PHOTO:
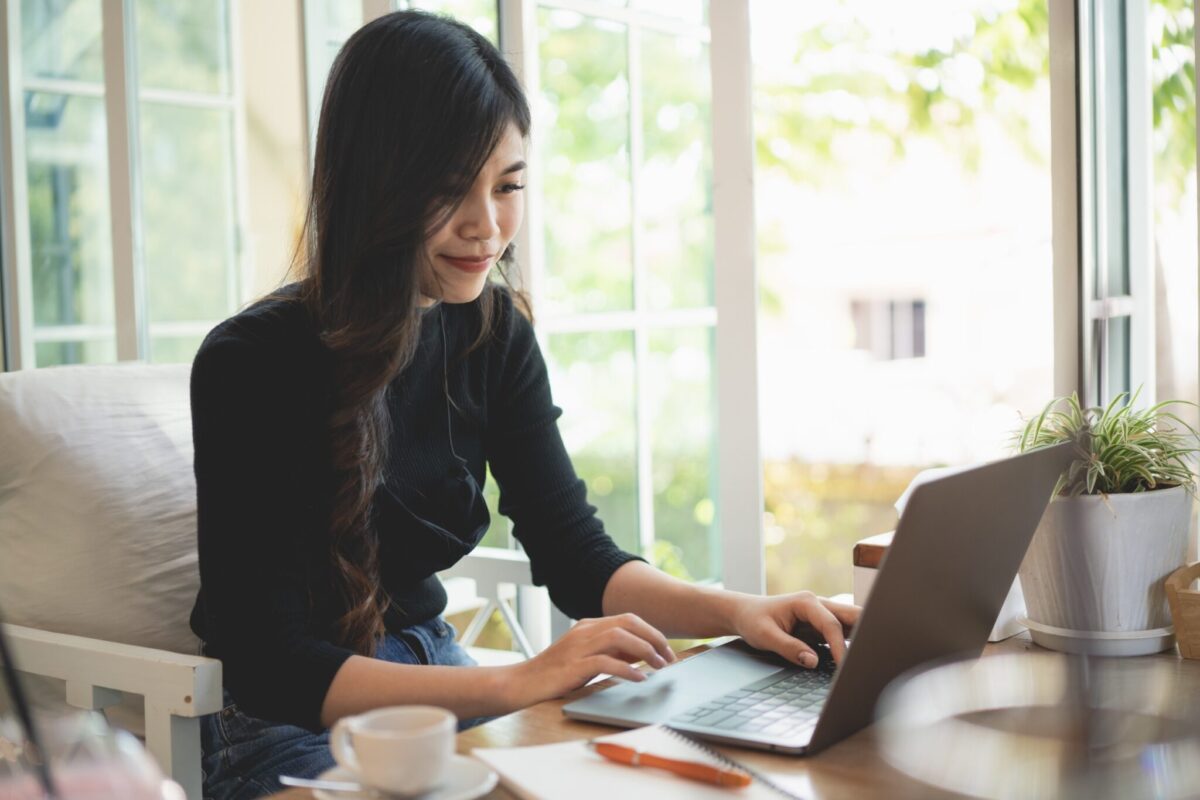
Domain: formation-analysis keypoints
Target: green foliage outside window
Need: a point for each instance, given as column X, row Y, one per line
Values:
column 1173, row 75
column 583, row 138
column 898, row 94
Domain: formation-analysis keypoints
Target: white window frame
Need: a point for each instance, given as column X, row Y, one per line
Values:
column 1064, row 182
column 1088, row 192
column 740, row 506
column 124, row 182
column 14, row 197
column 122, row 98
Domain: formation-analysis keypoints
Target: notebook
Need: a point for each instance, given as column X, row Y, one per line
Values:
column 572, row 769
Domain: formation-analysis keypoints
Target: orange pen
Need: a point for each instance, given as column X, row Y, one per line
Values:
column 688, row 769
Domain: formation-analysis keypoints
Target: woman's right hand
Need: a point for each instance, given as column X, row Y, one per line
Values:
column 607, row 645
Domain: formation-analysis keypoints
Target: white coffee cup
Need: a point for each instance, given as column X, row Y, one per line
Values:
column 402, row 749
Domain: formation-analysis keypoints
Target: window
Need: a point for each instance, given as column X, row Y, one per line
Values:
column 66, row 176
column 911, row 154
column 625, row 291
column 190, row 216
column 125, row 151
column 1171, row 32
column 889, row 329
column 1138, row 200
column 1114, row 214
column 915, row 300
column 904, row 223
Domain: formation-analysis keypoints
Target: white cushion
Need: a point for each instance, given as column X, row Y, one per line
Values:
column 98, row 503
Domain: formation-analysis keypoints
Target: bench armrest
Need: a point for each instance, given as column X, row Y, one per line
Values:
column 178, row 689
column 184, row 685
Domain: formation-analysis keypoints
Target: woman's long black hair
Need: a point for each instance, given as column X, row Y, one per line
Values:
column 414, row 106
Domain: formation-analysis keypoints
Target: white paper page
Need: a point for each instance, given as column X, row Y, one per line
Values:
column 572, row 769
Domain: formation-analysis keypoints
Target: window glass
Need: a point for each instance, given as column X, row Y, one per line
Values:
column 498, row 534
column 1116, row 369
column 592, row 375
column 183, row 45
column 56, row 353
column 172, row 349
column 66, row 151
column 583, row 130
column 903, row 158
column 188, row 208
column 649, row 452
column 479, row 14
column 693, row 11
column 327, row 25
column 62, row 39
column 187, row 168
column 682, row 425
column 675, row 183
column 1109, row 113
column 1171, row 27
column 70, row 225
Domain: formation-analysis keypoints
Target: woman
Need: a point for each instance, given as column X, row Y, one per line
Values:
column 342, row 427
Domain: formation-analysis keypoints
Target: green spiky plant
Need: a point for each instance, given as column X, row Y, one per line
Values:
column 1120, row 450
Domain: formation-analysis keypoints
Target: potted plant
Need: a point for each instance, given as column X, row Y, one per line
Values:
column 1117, row 526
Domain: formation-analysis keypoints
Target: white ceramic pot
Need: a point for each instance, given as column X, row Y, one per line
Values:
column 1098, row 563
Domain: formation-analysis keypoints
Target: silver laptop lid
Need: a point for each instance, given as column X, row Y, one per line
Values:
column 956, row 550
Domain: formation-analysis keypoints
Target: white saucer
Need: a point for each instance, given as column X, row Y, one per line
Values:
column 1101, row 643
column 466, row 779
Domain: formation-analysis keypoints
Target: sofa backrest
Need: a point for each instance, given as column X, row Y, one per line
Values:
column 98, row 503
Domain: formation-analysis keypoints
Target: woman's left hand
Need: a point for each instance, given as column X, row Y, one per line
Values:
column 766, row 623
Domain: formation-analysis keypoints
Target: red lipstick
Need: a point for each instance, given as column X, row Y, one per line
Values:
column 473, row 265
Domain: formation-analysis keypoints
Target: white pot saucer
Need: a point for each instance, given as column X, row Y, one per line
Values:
column 1101, row 643
column 466, row 779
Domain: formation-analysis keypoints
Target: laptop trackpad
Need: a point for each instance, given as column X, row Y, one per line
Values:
column 678, row 687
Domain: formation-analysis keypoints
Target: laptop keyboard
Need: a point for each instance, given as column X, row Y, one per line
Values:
column 775, row 706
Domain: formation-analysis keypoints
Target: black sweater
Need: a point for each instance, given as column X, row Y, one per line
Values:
column 261, row 400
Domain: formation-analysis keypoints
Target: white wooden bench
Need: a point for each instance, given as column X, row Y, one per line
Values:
column 98, row 564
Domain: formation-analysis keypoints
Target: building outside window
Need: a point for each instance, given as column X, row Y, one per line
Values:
column 889, row 329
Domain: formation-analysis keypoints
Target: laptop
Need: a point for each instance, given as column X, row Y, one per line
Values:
column 956, row 550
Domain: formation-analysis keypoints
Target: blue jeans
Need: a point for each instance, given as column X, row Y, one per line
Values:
column 243, row 756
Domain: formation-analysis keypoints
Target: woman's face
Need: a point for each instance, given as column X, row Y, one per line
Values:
column 467, row 246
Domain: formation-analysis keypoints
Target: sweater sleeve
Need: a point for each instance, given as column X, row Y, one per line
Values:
column 569, row 551
column 255, row 428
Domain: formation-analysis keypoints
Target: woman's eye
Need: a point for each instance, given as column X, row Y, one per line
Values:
column 509, row 188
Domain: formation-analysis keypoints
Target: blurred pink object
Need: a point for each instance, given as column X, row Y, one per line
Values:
column 92, row 782
column 88, row 761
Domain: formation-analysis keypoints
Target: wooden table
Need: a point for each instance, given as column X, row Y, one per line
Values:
column 853, row 768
